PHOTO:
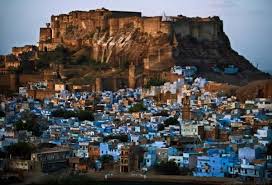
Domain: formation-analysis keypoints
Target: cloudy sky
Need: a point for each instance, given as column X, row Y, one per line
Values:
column 247, row 22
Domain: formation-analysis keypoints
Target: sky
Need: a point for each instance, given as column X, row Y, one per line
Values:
column 247, row 22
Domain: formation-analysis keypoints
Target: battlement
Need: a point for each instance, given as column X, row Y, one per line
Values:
column 27, row 48
column 74, row 28
column 93, row 14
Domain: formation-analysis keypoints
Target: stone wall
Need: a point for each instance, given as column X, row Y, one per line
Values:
column 25, row 78
column 45, row 34
column 78, row 26
column 40, row 94
column 89, row 21
column 8, row 82
column 199, row 28
column 151, row 25
column 20, row 50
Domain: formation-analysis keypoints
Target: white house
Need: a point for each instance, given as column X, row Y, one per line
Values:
column 82, row 151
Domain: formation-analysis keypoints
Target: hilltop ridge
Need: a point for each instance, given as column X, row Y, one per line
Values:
column 128, row 49
column 157, row 42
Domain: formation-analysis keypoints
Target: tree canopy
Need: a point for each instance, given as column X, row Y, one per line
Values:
column 171, row 121
column 139, row 107
column 106, row 159
column 31, row 122
column 80, row 114
column 121, row 137
column 155, row 81
column 21, row 149
column 2, row 114
column 167, row 168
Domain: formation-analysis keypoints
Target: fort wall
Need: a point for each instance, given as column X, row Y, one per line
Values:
column 25, row 78
column 69, row 28
column 151, row 25
column 201, row 29
column 45, row 34
column 19, row 50
column 8, row 82
column 40, row 94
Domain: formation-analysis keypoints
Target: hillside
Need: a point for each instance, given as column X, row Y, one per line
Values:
column 115, row 38
column 260, row 88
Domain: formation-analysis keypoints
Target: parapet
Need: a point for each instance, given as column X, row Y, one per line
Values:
column 27, row 48
column 77, row 25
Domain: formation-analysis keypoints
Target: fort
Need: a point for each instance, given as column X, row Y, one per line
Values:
column 134, row 48
column 100, row 29
column 24, row 49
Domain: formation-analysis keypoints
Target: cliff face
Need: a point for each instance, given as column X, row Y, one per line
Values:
column 157, row 42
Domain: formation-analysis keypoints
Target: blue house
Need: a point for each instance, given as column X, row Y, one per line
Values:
column 172, row 151
column 150, row 157
column 107, row 149
column 231, row 69
column 214, row 164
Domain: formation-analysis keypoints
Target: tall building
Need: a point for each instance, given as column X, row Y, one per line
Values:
column 130, row 158
column 132, row 76
column 186, row 110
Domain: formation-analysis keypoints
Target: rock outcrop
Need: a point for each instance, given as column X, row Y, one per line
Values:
column 156, row 42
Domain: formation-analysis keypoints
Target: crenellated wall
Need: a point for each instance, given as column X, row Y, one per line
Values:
column 19, row 50
column 76, row 27
column 200, row 28
column 151, row 25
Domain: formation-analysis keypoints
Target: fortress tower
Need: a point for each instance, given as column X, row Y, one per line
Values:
column 98, row 85
column 132, row 76
column 45, row 37
column 13, row 82
column 186, row 112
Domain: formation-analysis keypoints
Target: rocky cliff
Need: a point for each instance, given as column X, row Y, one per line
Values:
column 158, row 43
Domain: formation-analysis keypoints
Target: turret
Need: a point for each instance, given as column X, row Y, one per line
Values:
column 132, row 76
column 186, row 112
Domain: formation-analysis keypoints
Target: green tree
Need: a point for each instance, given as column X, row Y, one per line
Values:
column 85, row 115
column 171, row 121
column 2, row 114
column 21, row 149
column 60, row 55
column 138, row 107
column 81, row 114
column 162, row 113
column 106, row 158
column 167, row 168
column 122, row 137
column 12, row 69
column 31, row 122
column 155, row 81
column 269, row 149
column 160, row 127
